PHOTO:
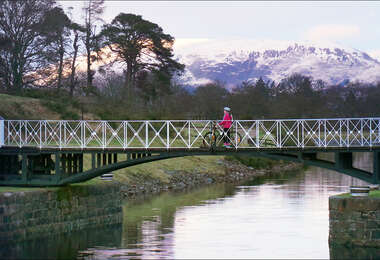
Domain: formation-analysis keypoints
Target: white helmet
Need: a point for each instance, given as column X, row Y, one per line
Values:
column 227, row 109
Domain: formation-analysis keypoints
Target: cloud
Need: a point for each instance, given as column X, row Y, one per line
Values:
column 182, row 42
column 332, row 32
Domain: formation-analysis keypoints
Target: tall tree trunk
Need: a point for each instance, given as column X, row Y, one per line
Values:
column 17, row 76
column 129, row 78
column 88, row 49
column 16, row 66
column 60, row 68
column 72, row 76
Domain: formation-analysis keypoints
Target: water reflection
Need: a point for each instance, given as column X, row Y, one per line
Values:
column 282, row 217
column 148, row 230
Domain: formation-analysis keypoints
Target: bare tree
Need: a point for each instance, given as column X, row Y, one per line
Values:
column 92, row 11
column 24, row 51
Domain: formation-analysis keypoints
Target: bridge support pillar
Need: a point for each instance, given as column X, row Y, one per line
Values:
column 343, row 160
column 35, row 169
column 10, row 165
column 40, row 164
column 98, row 160
column 72, row 163
column 58, row 171
column 24, row 168
column 69, row 163
column 115, row 158
column 309, row 156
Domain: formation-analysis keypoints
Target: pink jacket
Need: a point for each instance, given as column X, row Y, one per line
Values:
column 227, row 121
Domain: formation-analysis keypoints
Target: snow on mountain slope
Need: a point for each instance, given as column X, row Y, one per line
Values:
column 235, row 61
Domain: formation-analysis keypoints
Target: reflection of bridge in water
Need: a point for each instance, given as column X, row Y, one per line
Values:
column 52, row 153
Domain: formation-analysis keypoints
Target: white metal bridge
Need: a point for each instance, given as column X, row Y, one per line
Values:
column 191, row 134
column 60, row 152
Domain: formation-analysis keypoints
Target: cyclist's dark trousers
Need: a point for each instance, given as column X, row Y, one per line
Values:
column 227, row 136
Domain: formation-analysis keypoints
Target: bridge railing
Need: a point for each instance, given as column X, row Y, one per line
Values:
column 192, row 134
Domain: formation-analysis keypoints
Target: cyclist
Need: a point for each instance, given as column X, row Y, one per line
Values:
column 226, row 124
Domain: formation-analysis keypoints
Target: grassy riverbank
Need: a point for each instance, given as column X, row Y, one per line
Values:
column 372, row 194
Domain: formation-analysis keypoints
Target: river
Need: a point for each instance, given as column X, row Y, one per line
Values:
column 282, row 217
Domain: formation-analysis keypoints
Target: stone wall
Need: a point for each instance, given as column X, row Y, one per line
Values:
column 31, row 214
column 355, row 221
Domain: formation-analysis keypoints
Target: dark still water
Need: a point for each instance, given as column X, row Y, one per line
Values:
column 283, row 217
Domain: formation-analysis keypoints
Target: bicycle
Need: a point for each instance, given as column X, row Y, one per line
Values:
column 216, row 135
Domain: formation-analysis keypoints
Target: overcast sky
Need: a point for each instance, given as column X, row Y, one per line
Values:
column 351, row 24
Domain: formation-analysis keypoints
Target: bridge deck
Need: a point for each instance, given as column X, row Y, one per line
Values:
column 31, row 149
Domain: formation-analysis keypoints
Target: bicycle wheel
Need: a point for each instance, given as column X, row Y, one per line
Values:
column 208, row 139
column 236, row 141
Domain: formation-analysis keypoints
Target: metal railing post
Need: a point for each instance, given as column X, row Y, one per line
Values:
column 104, row 135
column 146, row 135
column 303, row 133
column 340, row 133
column 257, row 134
column 370, row 133
column 60, row 134
column 40, row 133
column 167, row 135
column 348, row 133
column 125, row 138
column 361, row 132
column 82, row 134
column 325, row 132
column 279, row 139
column 236, row 143
column 20, row 134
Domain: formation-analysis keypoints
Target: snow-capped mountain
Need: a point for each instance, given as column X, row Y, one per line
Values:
column 235, row 61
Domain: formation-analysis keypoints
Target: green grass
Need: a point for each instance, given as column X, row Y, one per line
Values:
column 372, row 194
column 18, row 189
column 31, row 108
column 163, row 169
column 16, row 107
column 64, row 109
